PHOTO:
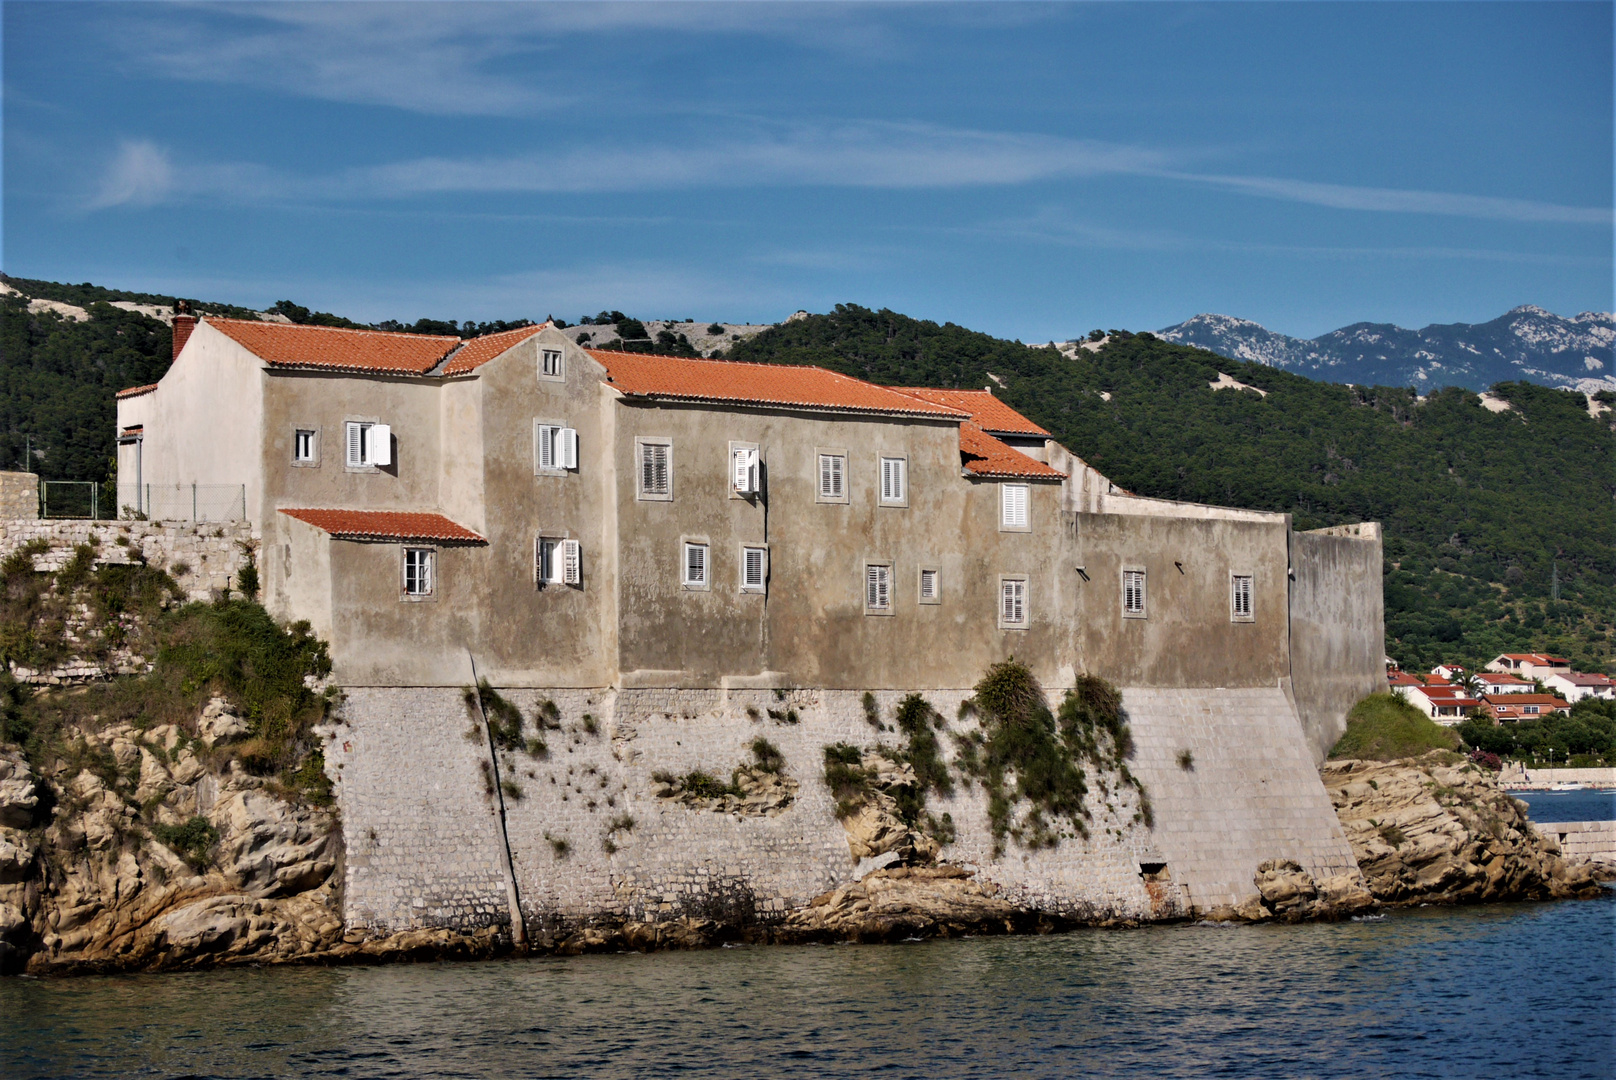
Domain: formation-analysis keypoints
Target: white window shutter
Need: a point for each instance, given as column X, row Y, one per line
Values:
column 737, row 470
column 871, row 595
column 571, row 563
column 824, row 474
column 753, row 481
column 539, row 575
column 569, row 448
column 900, row 480
column 545, row 437
column 379, row 450
column 836, row 476
column 356, row 443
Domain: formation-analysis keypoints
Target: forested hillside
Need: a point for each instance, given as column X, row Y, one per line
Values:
column 1487, row 515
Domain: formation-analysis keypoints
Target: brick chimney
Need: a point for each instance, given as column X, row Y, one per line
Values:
column 184, row 323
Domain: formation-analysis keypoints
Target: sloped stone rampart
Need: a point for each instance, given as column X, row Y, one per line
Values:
column 406, row 770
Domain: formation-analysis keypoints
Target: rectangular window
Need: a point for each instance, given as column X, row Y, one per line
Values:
column 695, row 568
column 894, row 481
column 656, row 470
column 557, row 562
column 555, row 447
column 832, row 477
column 1133, row 594
column 1013, row 602
column 418, row 572
column 1531, row 710
column 303, row 446
column 877, row 588
column 358, row 440
column 1013, row 506
column 754, row 567
column 1240, row 597
column 928, row 586
column 550, row 363
column 744, row 471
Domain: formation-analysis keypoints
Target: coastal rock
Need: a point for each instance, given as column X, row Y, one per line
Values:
column 908, row 901
column 220, row 722
column 874, row 827
column 269, row 848
column 18, row 799
column 1437, row 829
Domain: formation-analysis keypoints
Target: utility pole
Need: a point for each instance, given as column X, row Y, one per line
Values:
column 1554, row 584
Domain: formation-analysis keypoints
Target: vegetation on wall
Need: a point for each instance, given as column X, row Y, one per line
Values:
column 1031, row 761
column 230, row 649
column 1499, row 535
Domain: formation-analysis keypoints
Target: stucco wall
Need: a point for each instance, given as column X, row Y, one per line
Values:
column 204, row 424
column 1338, row 627
column 1252, row 795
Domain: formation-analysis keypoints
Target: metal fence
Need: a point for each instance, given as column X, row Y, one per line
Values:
column 183, row 502
column 70, row 499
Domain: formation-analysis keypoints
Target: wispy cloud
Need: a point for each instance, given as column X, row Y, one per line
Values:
column 901, row 156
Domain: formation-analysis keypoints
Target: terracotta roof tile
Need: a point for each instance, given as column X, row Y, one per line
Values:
column 989, row 413
column 478, row 351
column 987, row 456
column 679, row 378
column 385, row 525
column 330, row 347
column 136, row 391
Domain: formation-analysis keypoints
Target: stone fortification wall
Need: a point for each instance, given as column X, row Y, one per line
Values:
column 202, row 557
column 411, row 787
column 1338, row 627
column 19, row 495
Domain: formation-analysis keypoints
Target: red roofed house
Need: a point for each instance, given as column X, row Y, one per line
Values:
column 1524, row 706
column 1443, row 702
column 588, row 518
column 1494, row 683
column 1529, row 665
column 1576, row 685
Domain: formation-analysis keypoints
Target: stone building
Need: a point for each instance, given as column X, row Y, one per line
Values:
column 678, row 540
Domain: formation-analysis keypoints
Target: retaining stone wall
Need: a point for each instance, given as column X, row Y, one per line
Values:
column 19, row 496
column 405, row 770
column 203, row 558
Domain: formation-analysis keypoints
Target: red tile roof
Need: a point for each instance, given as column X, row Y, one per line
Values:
column 678, row 378
column 1526, row 699
column 330, row 347
column 986, row 456
column 478, row 351
column 136, row 391
column 385, row 525
column 989, row 413
column 1579, row 678
column 1543, row 659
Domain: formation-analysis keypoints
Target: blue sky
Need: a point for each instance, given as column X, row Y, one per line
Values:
column 1034, row 171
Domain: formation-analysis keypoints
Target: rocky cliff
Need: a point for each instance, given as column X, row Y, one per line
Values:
column 1439, row 830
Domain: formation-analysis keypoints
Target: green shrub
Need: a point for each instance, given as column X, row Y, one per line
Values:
column 192, row 841
column 1384, row 727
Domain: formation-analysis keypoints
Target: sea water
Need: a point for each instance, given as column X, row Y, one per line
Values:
column 1589, row 804
column 1520, row 990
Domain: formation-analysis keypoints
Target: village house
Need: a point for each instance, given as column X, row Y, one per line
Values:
column 1511, row 707
column 1576, row 685
column 1494, row 683
column 1529, row 665
column 1450, row 672
column 1442, row 701
column 587, row 518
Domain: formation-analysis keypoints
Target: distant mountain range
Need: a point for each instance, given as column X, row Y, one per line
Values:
column 1527, row 343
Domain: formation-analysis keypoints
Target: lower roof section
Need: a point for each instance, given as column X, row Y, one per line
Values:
column 385, row 525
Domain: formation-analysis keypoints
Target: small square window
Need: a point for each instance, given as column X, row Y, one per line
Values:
column 754, row 569
column 550, row 363
column 894, row 481
column 877, row 589
column 305, row 446
column 1241, row 597
column 1013, row 603
column 1013, row 506
column 655, row 469
column 557, row 561
column 832, row 476
column 695, row 566
column 745, row 469
column 418, row 573
column 358, row 443
column 1133, row 594
column 930, row 586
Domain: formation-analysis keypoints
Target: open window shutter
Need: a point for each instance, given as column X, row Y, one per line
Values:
column 379, row 448
column 571, row 563
column 569, row 448
column 754, row 482
column 538, row 560
column 546, row 441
